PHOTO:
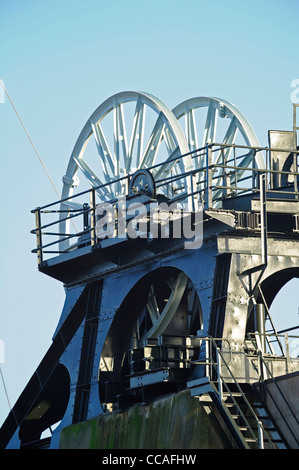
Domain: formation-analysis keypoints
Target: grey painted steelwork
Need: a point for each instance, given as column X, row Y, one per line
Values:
column 137, row 311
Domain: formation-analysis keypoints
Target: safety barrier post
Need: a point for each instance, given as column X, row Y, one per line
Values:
column 209, row 175
column 219, row 374
column 38, row 236
column 93, row 217
column 261, row 434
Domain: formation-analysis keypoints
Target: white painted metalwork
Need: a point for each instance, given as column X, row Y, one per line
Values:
column 127, row 139
column 216, row 109
column 161, row 318
column 131, row 130
column 135, row 130
column 208, row 120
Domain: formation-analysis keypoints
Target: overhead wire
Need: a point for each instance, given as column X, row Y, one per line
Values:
column 5, row 389
column 6, row 393
column 30, row 140
column 52, row 183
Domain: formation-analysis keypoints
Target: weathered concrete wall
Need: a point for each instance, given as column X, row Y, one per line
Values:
column 174, row 422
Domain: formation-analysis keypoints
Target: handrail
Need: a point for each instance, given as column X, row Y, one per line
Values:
column 264, row 364
column 206, row 185
column 216, row 366
column 116, row 180
column 277, row 335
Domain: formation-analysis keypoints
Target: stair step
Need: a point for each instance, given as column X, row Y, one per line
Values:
column 257, row 403
column 261, row 412
column 230, row 404
column 238, row 406
column 205, row 399
column 234, row 394
column 281, row 445
column 243, row 428
column 275, row 436
column 268, row 425
column 235, row 403
column 234, row 399
column 268, row 429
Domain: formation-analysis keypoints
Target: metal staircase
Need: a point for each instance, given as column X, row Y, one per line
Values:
column 244, row 415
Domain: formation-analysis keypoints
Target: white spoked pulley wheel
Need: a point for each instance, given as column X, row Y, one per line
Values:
column 160, row 317
column 130, row 131
column 208, row 120
column 164, row 302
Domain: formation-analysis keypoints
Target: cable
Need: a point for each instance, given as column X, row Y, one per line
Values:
column 5, row 389
column 30, row 140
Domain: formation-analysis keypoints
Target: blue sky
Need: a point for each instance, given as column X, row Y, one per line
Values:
column 60, row 59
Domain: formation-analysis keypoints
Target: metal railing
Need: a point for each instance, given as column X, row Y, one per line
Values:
column 265, row 374
column 263, row 342
column 214, row 363
column 224, row 171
